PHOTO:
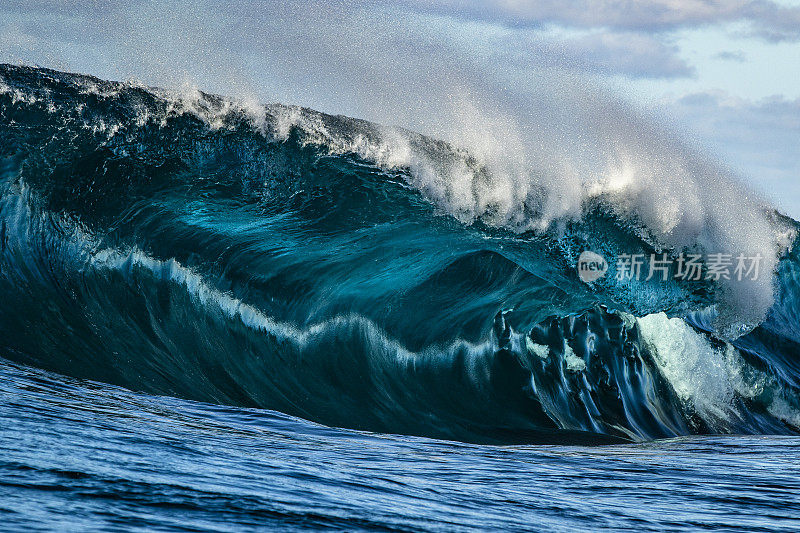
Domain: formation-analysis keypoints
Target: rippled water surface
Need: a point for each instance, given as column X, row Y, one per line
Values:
column 81, row 455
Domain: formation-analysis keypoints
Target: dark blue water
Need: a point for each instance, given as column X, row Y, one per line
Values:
column 215, row 317
column 86, row 456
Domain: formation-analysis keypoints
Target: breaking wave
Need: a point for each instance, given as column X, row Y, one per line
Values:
column 369, row 277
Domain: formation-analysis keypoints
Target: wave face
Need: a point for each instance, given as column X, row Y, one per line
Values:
column 338, row 270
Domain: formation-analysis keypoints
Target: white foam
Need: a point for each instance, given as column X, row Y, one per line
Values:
column 705, row 376
column 189, row 100
column 780, row 408
column 537, row 349
column 256, row 320
column 17, row 96
column 574, row 363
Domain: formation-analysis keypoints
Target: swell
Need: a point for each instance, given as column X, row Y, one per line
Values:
column 183, row 247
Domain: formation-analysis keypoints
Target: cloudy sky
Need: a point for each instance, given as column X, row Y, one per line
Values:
column 725, row 74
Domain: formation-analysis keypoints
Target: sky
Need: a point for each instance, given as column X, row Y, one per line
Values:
column 723, row 74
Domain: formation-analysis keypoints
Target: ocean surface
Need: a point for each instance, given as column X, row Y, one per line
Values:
column 228, row 316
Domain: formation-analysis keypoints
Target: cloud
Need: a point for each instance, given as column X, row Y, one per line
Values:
column 738, row 56
column 765, row 18
column 630, row 54
column 758, row 138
